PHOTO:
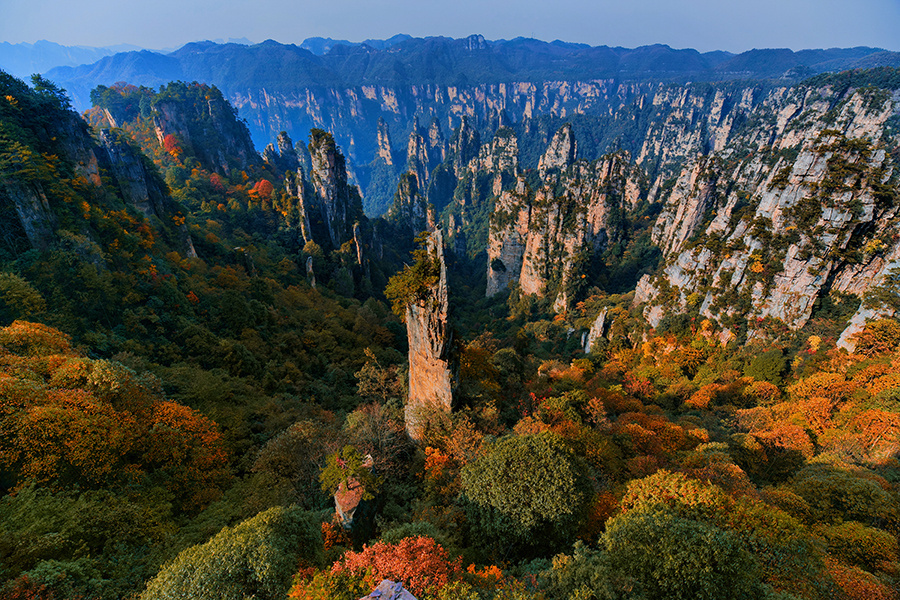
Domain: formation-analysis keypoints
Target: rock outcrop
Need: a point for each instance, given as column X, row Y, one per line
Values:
column 417, row 158
column 385, row 151
column 560, row 154
column 789, row 210
column 137, row 178
column 338, row 202
column 543, row 239
column 282, row 155
column 205, row 124
column 389, row 590
column 430, row 341
column 411, row 211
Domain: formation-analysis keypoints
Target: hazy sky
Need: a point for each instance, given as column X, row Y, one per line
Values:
column 734, row 25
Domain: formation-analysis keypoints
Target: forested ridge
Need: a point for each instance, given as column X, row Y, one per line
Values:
column 191, row 373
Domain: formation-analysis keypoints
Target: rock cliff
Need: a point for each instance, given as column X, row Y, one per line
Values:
column 338, row 202
column 545, row 239
column 282, row 155
column 430, row 341
column 797, row 204
column 137, row 178
column 206, row 125
column 52, row 167
column 410, row 211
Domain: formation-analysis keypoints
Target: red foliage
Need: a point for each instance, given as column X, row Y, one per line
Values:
column 335, row 535
column 216, row 181
column 263, row 189
column 638, row 386
column 858, row 584
column 787, row 436
column 170, row 143
column 24, row 588
column 419, row 562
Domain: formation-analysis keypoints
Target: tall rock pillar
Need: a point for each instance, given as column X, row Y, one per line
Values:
column 430, row 339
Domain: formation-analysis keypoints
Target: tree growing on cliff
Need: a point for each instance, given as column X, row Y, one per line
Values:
column 415, row 281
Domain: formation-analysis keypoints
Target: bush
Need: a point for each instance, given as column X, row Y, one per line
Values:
column 527, row 490
column 667, row 556
column 254, row 559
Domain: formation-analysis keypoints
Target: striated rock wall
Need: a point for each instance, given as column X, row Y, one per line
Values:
column 138, row 181
column 410, row 211
column 560, row 154
column 797, row 205
column 209, row 129
column 430, row 340
column 543, row 239
column 338, row 202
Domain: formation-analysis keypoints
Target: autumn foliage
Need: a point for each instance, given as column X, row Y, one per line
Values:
column 72, row 421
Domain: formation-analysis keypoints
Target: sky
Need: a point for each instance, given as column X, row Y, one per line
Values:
column 732, row 25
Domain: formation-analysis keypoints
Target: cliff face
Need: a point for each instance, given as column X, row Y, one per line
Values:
column 53, row 172
column 544, row 240
column 338, row 202
column 430, row 340
column 138, row 181
column 200, row 119
column 799, row 205
column 282, row 155
column 410, row 211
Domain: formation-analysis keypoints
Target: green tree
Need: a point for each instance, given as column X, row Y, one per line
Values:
column 254, row 559
column 526, row 491
column 768, row 366
column 414, row 282
column 345, row 467
column 18, row 299
column 669, row 557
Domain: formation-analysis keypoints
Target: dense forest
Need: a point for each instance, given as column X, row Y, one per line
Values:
column 199, row 372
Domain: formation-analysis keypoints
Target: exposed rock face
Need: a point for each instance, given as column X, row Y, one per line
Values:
column 437, row 146
column 339, row 203
column 310, row 273
column 542, row 239
column 805, row 211
column 464, row 146
column 417, row 160
column 296, row 215
column 430, row 340
column 33, row 210
column 507, row 240
column 282, row 156
column 139, row 182
column 410, row 211
column 596, row 331
column 384, row 152
column 287, row 151
column 209, row 129
column 561, row 151
column 389, row 590
column 692, row 196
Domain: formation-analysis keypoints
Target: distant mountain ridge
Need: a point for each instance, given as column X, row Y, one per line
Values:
column 21, row 60
column 403, row 60
column 350, row 89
